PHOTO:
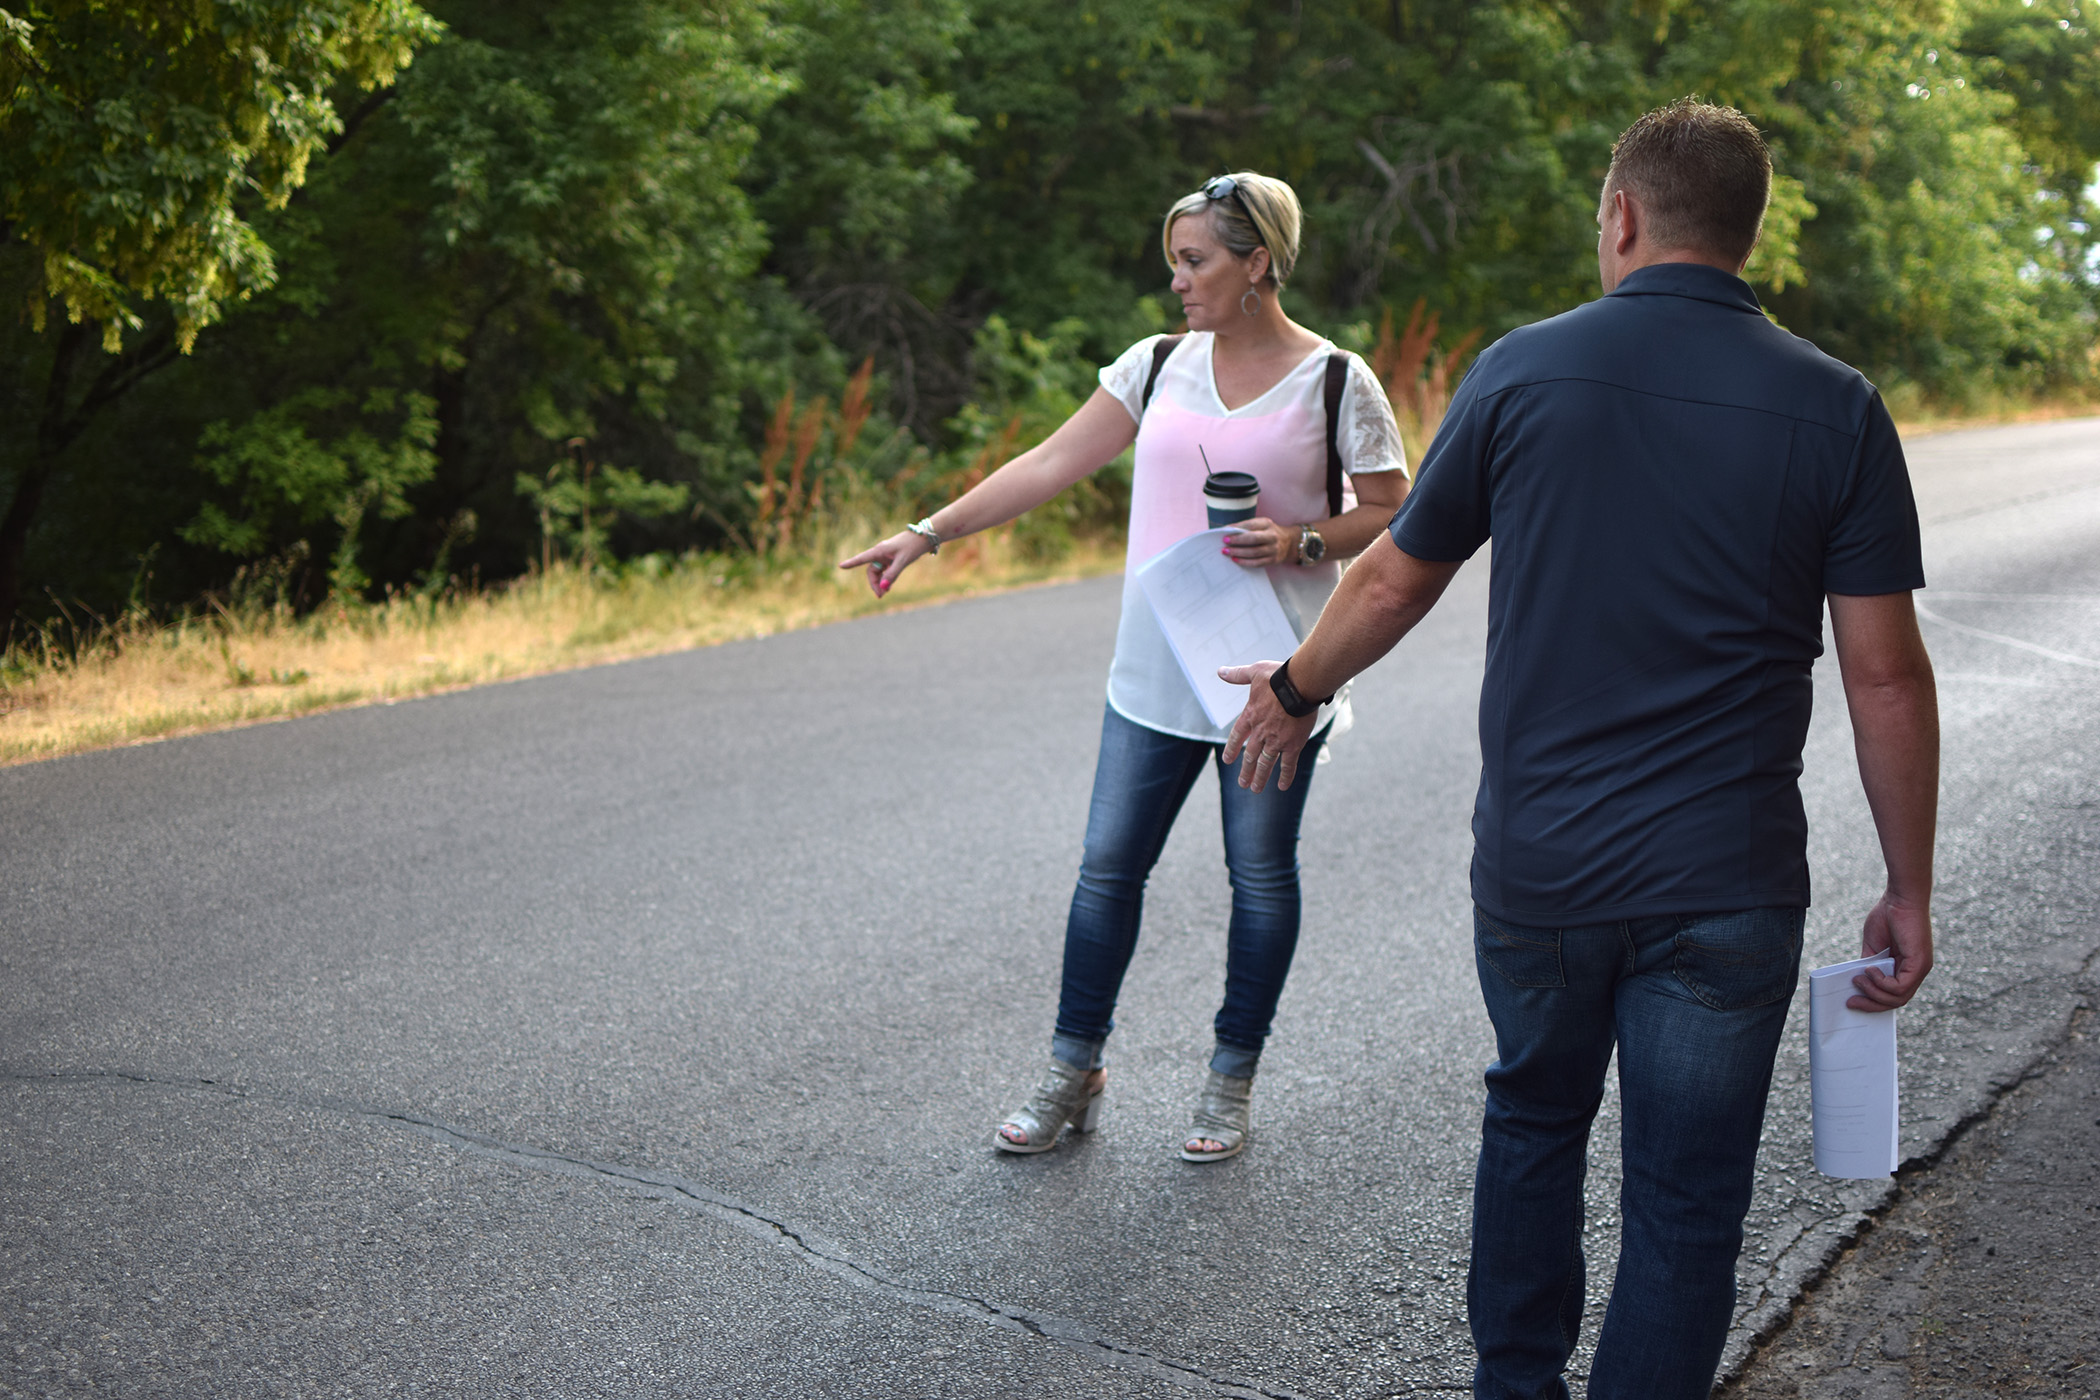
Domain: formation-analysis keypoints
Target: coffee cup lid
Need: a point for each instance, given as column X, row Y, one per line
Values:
column 1231, row 484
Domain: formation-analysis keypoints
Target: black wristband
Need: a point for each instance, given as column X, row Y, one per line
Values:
column 1294, row 704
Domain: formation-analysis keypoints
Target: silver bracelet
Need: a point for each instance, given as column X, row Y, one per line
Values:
column 925, row 529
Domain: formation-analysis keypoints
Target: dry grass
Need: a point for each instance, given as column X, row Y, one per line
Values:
column 1913, row 421
column 137, row 681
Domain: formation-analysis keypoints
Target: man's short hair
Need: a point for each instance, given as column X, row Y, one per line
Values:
column 1702, row 174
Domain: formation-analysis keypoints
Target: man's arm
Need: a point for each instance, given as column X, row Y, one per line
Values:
column 1384, row 594
column 1896, row 733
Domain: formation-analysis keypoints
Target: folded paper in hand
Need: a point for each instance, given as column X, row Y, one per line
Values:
column 1215, row 613
column 1851, row 1074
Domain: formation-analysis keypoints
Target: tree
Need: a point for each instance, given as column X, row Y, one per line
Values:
column 859, row 182
column 137, row 140
column 540, row 239
column 2046, row 59
column 1927, row 260
column 647, row 224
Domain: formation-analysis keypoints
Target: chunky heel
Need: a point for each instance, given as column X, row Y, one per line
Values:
column 1067, row 1094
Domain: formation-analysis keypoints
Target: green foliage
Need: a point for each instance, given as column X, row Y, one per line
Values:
column 283, row 478
column 540, row 239
column 133, row 134
column 671, row 229
column 578, row 501
column 1927, row 261
column 1031, row 385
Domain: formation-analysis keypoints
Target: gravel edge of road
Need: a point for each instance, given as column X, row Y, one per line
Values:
column 1887, row 1264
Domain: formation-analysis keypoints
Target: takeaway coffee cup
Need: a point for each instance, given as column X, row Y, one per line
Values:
column 1230, row 497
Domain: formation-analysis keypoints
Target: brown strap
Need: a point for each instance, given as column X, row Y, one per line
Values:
column 1337, row 376
column 1161, row 348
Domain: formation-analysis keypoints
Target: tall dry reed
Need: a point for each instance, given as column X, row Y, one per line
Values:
column 1419, row 377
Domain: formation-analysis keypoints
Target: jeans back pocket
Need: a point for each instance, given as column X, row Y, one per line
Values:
column 1740, row 960
column 1526, row 957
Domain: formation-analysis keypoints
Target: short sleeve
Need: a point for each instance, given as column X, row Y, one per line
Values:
column 1126, row 377
column 1367, row 436
column 1445, row 518
column 1873, row 544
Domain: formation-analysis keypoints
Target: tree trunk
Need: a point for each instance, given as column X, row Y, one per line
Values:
column 36, row 472
column 59, row 422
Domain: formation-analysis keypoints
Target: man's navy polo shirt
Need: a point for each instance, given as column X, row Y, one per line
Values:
column 1672, row 483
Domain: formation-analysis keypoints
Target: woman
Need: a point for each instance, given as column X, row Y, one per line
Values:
column 1249, row 387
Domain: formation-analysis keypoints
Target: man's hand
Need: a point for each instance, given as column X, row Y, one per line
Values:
column 1272, row 738
column 1905, row 931
column 1383, row 594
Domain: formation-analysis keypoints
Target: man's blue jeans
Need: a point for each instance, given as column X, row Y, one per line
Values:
column 1694, row 1005
column 1140, row 782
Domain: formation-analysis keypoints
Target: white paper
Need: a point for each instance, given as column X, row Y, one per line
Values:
column 1215, row 613
column 1851, row 1074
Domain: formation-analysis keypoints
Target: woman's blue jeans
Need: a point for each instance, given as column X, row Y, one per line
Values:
column 1694, row 1005
column 1140, row 783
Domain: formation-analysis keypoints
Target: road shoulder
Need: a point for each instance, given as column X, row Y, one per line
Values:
column 1979, row 1278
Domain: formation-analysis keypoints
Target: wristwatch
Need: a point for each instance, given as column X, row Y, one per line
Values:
column 1295, row 705
column 1311, row 547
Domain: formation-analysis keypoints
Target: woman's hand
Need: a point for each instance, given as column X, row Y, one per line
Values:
column 1261, row 542
column 888, row 559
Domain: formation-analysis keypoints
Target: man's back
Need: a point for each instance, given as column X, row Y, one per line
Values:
column 1672, row 484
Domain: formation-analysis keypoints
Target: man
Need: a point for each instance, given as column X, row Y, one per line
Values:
column 1674, row 486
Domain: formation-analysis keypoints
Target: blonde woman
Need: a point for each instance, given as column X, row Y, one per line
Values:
column 1257, row 393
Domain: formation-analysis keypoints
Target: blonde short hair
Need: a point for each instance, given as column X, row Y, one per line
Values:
column 1261, row 212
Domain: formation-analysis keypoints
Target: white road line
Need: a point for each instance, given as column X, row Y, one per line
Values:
column 2038, row 650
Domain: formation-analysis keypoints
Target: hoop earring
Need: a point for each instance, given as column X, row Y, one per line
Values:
column 1254, row 310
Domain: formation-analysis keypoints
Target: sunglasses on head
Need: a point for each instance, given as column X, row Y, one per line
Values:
column 1225, row 187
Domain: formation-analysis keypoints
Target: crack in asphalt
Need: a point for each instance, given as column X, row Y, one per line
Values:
column 1076, row 1336
column 810, row 1249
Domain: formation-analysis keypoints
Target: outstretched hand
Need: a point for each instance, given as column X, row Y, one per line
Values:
column 888, row 559
column 1263, row 730
column 1904, row 930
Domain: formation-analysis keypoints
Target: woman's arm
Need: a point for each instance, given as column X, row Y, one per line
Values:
column 1082, row 444
column 1378, row 494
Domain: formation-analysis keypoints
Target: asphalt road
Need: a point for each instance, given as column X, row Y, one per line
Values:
column 639, row 1031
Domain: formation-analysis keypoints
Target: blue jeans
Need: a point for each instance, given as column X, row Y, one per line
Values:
column 1140, row 782
column 1694, row 1004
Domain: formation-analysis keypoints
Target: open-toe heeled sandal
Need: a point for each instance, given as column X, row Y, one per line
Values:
column 1067, row 1094
column 1223, row 1115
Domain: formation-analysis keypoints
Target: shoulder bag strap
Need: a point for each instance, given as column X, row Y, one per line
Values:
column 1337, row 377
column 1162, row 348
